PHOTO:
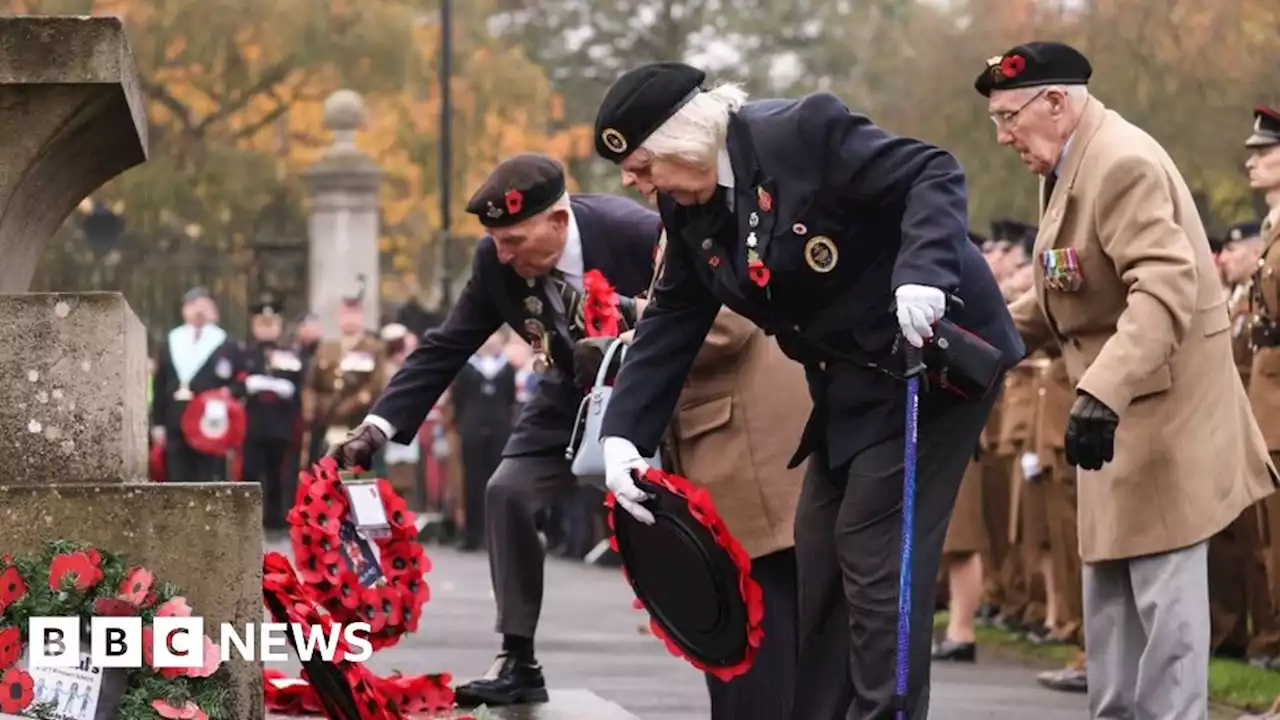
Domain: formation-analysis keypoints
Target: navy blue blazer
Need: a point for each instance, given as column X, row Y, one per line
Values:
column 842, row 213
column 618, row 239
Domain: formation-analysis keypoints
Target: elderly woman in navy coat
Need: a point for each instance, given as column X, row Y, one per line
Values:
column 840, row 238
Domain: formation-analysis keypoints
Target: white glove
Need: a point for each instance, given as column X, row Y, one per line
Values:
column 1030, row 466
column 621, row 458
column 255, row 384
column 919, row 307
column 157, row 433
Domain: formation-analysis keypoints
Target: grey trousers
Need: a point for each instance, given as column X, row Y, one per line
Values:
column 1147, row 636
column 518, row 490
column 848, row 553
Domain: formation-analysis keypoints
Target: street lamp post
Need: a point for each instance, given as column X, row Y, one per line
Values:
column 446, row 153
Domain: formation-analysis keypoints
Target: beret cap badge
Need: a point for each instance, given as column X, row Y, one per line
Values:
column 614, row 140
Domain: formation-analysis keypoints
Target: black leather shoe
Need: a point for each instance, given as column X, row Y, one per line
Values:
column 511, row 681
column 1071, row 680
column 952, row 651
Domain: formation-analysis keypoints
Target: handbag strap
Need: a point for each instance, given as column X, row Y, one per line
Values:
column 614, row 348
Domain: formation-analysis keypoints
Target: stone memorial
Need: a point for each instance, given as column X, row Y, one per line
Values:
column 343, row 226
column 73, row 415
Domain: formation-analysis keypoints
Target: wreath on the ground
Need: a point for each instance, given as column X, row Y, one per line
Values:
column 75, row 579
column 325, row 590
column 702, row 509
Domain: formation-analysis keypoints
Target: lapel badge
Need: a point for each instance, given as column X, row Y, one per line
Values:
column 752, row 240
column 714, row 261
column 753, row 219
column 799, row 229
column 764, row 199
column 821, row 254
column 533, row 305
column 706, row 244
column 223, row 368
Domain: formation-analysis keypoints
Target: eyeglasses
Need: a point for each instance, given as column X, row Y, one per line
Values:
column 1007, row 117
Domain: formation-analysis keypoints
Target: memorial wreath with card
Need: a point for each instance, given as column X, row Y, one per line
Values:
column 73, row 579
column 357, row 561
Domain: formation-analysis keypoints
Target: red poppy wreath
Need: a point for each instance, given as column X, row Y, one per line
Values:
column 600, row 314
column 71, row 579
column 702, row 510
column 326, row 589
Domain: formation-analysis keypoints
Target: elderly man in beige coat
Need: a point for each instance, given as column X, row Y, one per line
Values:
column 1161, row 430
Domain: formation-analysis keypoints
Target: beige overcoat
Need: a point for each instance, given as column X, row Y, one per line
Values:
column 1147, row 333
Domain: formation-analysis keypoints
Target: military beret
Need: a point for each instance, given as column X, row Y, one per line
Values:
column 978, row 239
column 267, row 306
column 639, row 102
column 999, row 230
column 517, row 189
column 1242, row 231
column 1266, row 127
column 1032, row 65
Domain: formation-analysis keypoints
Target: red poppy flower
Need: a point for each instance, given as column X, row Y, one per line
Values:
column 371, row 610
column 758, row 273
column 15, row 691
column 6, row 559
column 12, row 588
column 1012, row 66
column 321, row 568
column 76, row 569
column 416, row 694
column 135, row 586
column 176, row 606
column 95, row 557
column 391, row 609
column 10, row 647
column 190, row 711
column 114, row 607
column 398, row 514
column 346, row 590
column 515, row 201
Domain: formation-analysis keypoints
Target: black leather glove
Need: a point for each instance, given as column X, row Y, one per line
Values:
column 588, row 353
column 358, row 448
column 1091, row 433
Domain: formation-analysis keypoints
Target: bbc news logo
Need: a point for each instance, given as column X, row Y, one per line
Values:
column 180, row 642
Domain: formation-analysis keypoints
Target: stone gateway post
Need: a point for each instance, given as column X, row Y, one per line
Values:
column 73, row 412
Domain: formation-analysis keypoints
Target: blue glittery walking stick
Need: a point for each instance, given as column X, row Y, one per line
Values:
column 902, row 661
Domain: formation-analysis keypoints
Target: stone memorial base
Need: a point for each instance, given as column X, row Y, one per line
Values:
column 204, row 537
column 564, row 705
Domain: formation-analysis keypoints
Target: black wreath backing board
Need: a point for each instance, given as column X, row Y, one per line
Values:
column 686, row 581
column 330, row 684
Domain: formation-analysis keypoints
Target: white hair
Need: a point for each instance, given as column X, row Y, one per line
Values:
column 697, row 131
column 560, row 204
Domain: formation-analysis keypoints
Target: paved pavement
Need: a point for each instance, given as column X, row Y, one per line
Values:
column 592, row 639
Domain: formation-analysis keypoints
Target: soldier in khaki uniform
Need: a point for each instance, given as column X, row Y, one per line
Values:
column 1238, row 592
column 963, row 550
column 1056, row 394
column 346, row 376
column 1263, row 166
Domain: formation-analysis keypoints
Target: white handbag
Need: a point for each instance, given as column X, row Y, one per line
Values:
column 588, row 456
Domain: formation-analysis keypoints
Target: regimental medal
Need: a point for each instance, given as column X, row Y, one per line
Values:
column 820, row 254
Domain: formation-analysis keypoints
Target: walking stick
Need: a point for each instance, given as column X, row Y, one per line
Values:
column 915, row 368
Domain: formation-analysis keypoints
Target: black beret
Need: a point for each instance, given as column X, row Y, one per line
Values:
column 1242, row 231
column 999, row 230
column 268, row 306
column 517, row 189
column 1032, row 65
column 1028, row 239
column 1216, row 245
column 639, row 102
column 1266, row 127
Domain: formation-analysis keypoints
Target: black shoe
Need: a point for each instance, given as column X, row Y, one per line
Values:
column 510, row 681
column 1071, row 680
column 1044, row 636
column 952, row 651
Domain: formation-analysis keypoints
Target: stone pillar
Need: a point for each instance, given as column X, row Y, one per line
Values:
column 343, row 227
column 73, row 412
